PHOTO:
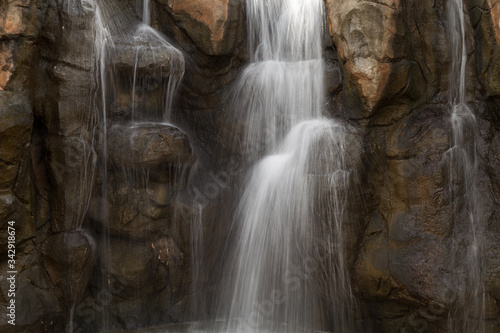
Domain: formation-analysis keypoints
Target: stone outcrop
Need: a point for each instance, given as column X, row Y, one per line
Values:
column 370, row 40
column 211, row 25
column 116, row 232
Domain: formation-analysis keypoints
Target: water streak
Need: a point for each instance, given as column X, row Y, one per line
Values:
column 146, row 12
column 468, row 311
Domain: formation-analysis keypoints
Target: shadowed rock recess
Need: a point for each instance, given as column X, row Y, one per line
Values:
column 122, row 162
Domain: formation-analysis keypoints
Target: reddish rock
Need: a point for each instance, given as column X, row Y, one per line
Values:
column 495, row 16
column 211, row 24
column 6, row 65
column 17, row 17
column 366, row 35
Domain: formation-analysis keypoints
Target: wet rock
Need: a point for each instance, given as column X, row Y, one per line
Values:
column 211, row 24
column 135, row 208
column 65, row 109
column 405, row 251
column 148, row 145
column 145, row 75
column 148, row 55
column 69, row 259
column 138, row 279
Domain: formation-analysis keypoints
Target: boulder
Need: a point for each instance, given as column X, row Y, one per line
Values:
column 140, row 278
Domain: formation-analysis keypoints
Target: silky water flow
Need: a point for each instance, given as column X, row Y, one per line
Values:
column 276, row 269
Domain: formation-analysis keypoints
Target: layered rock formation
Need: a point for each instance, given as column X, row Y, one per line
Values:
column 104, row 235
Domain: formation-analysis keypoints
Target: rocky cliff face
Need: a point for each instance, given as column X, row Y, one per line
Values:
column 105, row 235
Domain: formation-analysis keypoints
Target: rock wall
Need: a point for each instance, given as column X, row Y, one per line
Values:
column 107, row 238
column 396, row 63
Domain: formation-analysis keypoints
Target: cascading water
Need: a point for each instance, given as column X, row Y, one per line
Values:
column 468, row 311
column 283, row 85
column 133, row 62
column 277, row 268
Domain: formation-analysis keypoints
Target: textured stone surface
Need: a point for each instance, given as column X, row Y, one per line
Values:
column 211, row 24
column 69, row 259
column 369, row 38
column 15, row 135
column 485, row 17
column 148, row 145
column 147, row 56
column 405, row 254
column 19, row 26
column 386, row 73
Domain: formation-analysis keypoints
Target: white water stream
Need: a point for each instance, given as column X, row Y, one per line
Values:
column 468, row 311
column 276, row 264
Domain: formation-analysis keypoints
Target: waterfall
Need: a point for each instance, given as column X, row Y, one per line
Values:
column 283, row 85
column 146, row 12
column 277, row 268
column 468, row 312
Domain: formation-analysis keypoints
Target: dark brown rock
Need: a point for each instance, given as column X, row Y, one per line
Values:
column 148, row 145
column 69, row 259
column 135, row 208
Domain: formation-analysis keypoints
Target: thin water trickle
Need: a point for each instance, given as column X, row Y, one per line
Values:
column 468, row 311
column 163, row 67
column 156, row 64
column 146, row 12
column 90, row 136
column 276, row 267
